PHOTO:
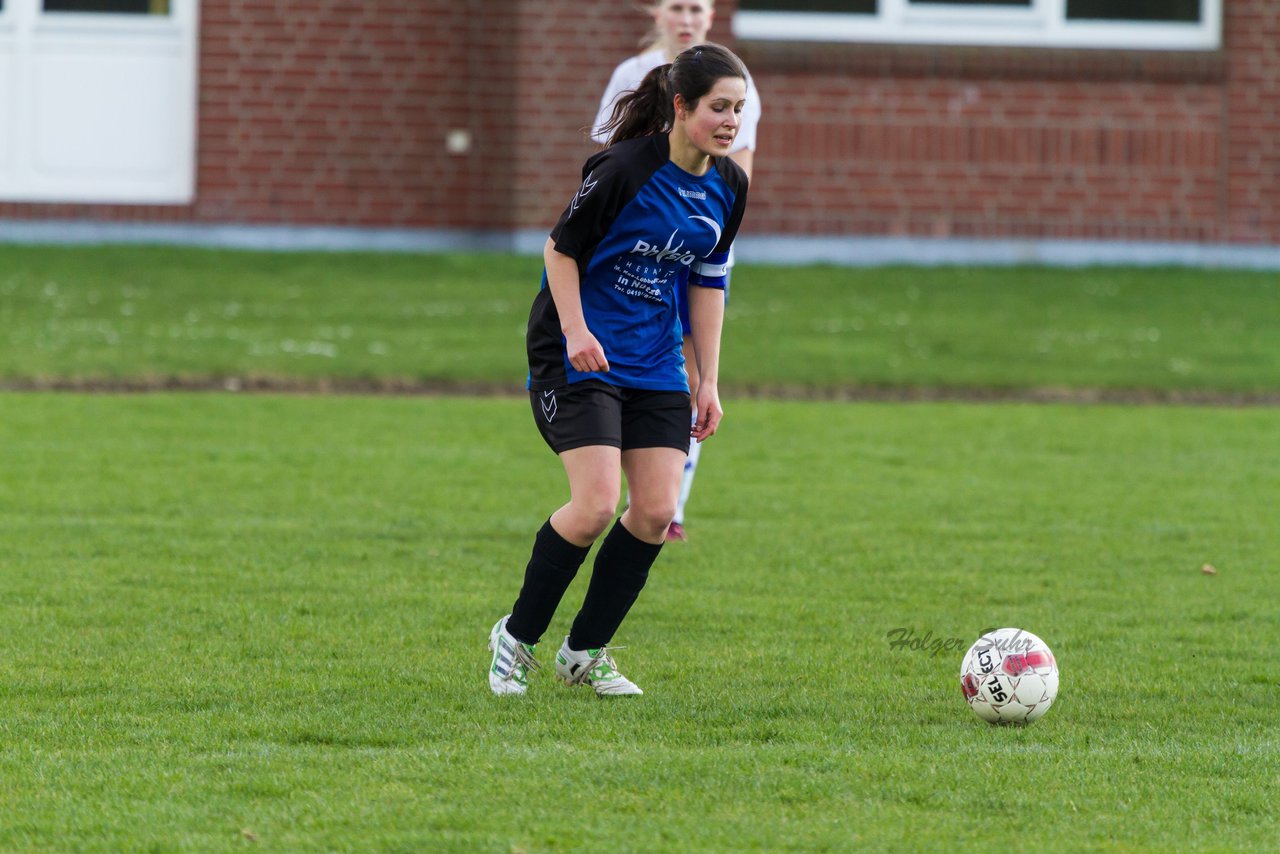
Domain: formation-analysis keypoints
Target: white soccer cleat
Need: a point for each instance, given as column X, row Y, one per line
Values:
column 593, row 667
column 511, row 663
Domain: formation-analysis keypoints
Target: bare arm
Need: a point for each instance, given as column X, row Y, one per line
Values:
column 707, row 324
column 584, row 351
column 706, row 315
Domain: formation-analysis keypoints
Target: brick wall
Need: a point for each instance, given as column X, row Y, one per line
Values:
column 337, row 112
column 318, row 111
column 1038, row 147
column 1251, row 187
column 329, row 112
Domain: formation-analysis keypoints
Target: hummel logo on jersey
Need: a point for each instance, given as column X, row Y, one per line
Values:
column 548, row 404
column 691, row 194
column 587, row 186
column 677, row 253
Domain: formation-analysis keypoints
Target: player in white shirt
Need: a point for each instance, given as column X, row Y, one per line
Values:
column 677, row 25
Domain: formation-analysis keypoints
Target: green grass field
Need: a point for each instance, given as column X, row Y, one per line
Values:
column 239, row 621
column 129, row 312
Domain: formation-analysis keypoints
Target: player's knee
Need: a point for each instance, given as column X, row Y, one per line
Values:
column 653, row 517
column 595, row 514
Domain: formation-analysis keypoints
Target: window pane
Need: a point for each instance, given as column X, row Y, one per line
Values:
column 1026, row 3
column 112, row 7
column 865, row 7
column 1187, row 11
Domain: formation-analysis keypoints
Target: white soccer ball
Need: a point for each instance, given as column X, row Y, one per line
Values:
column 1009, row 676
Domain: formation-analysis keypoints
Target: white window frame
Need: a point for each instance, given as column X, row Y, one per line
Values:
column 1043, row 24
column 34, row 48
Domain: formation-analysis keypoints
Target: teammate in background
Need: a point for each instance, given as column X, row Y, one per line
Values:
column 678, row 24
column 607, row 378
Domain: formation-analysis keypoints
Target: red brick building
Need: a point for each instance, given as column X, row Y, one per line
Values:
column 463, row 119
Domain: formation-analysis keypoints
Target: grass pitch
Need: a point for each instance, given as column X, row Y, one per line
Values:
column 134, row 313
column 232, row 620
column 259, row 620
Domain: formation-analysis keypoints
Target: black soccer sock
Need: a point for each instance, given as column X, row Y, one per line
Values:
column 552, row 566
column 621, row 569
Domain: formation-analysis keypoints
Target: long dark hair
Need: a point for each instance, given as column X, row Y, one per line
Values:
column 649, row 108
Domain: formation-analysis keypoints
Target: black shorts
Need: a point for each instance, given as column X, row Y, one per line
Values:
column 596, row 413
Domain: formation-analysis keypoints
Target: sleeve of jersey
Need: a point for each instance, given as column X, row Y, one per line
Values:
column 713, row 270
column 751, row 113
column 617, row 85
column 592, row 209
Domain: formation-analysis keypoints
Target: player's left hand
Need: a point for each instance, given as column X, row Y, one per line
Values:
column 708, row 415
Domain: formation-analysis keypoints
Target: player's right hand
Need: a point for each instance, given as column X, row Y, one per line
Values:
column 585, row 353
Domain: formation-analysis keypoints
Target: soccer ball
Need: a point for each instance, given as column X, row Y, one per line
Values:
column 1009, row 676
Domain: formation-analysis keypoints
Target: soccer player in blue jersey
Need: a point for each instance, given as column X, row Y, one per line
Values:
column 676, row 25
column 607, row 381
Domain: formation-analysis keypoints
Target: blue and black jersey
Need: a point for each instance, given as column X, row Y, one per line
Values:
column 637, row 226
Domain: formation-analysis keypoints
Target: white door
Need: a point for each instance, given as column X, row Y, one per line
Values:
column 98, row 100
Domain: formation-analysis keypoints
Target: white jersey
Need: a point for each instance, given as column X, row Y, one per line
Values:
column 627, row 76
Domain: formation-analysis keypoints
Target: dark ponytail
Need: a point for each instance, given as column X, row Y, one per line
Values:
column 644, row 111
column 649, row 109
